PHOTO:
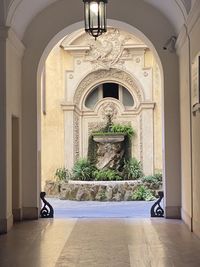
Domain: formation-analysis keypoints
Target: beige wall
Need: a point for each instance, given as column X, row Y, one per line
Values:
column 14, row 52
column 150, row 61
column 190, row 125
column 52, row 116
column 52, row 122
column 185, row 109
column 195, row 48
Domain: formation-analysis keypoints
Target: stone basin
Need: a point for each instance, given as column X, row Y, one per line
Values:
column 109, row 138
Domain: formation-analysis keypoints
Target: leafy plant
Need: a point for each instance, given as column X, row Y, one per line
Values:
column 143, row 193
column 106, row 175
column 154, row 181
column 62, row 174
column 125, row 129
column 132, row 169
column 83, row 170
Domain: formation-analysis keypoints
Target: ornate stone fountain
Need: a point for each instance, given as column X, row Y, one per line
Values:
column 110, row 145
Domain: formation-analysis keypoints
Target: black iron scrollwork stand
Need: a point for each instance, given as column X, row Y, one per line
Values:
column 158, row 212
column 47, row 210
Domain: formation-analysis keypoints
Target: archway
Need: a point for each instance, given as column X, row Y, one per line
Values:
column 127, row 81
column 34, row 56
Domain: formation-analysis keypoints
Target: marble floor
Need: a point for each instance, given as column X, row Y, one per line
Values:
column 100, row 243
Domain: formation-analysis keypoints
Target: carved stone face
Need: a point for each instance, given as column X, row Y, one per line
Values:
column 109, row 110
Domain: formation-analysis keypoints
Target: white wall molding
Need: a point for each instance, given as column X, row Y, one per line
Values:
column 16, row 43
column 182, row 37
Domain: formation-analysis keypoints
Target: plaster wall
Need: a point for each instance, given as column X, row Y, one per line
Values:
column 195, row 39
column 52, row 119
column 12, row 66
column 185, row 113
column 190, row 122
column 3, row 159
column 13, row 104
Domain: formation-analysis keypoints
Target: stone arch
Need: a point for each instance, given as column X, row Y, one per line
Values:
column 113, row 75
column 33, row 62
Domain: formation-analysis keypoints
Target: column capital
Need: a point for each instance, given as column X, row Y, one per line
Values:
column 4, row 33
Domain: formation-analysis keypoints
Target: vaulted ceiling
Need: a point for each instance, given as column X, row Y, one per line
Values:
column 19, row 13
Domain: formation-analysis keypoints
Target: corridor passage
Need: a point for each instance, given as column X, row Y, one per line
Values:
column 100, row 243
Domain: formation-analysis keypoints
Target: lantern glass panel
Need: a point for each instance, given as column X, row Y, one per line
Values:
column 87, row 7
column 93, row 15
column 101, row 15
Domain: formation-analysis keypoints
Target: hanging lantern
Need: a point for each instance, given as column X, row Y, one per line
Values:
column 95, row 17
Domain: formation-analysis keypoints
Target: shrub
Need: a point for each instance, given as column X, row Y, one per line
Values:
column 120, row 128
column 62, row 174
column 143, row 193
column 83, row 170
column 154, row 181
column 106, row 175
column 132, row 169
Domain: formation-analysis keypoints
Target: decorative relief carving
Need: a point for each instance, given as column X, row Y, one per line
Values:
column 157, row 77
column 137, row 60
column 76, row 137
column 108, row 50
column 114, row 74
column 109, row 109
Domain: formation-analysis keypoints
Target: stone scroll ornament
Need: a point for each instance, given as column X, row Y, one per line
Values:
column 156, row 209
column 47, row 210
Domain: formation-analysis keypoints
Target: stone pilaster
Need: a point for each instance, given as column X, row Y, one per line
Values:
column 71, row 128
column 147, row 138
column 5, row 215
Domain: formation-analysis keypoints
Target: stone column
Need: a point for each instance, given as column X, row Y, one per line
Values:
column 6, row 218
column 71, row 128
column 147, row 139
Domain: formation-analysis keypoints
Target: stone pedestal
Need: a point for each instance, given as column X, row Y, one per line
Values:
column 110, row 150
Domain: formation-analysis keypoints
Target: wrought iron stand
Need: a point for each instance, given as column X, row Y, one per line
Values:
column 47, row 210
column 156, row 209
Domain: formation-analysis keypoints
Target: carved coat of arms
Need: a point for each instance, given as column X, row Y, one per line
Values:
column 108, row 50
